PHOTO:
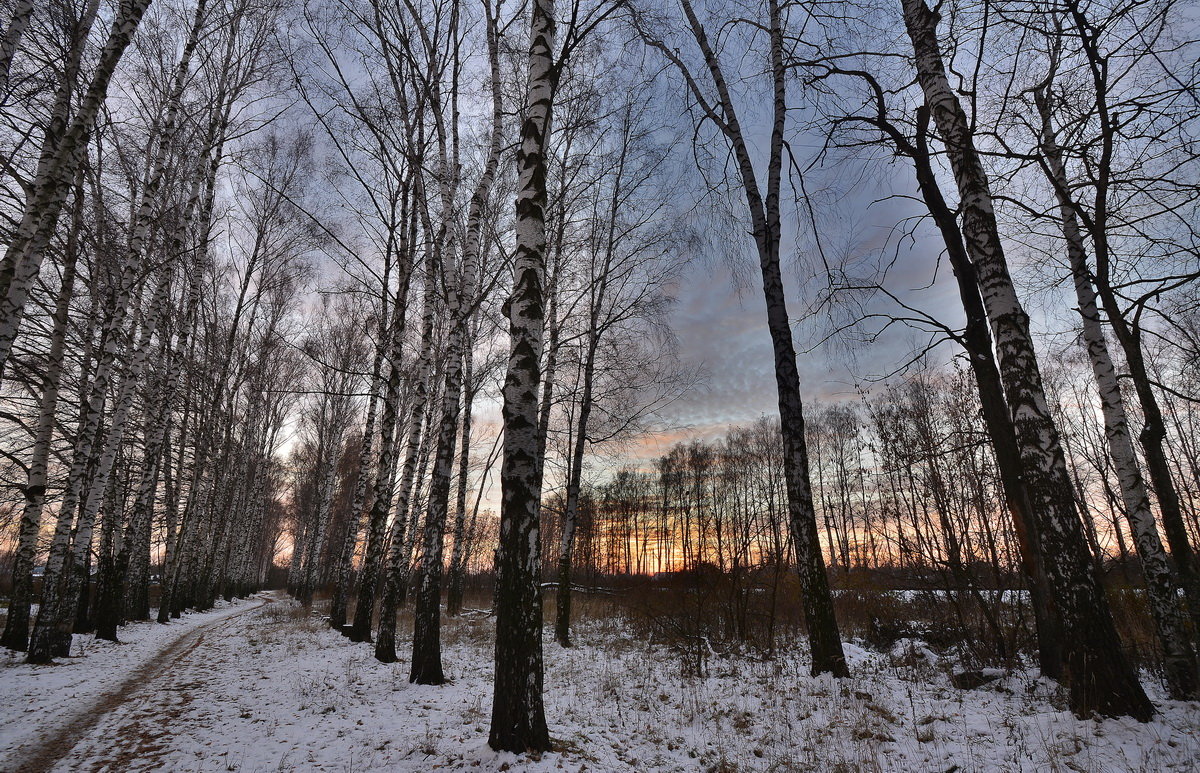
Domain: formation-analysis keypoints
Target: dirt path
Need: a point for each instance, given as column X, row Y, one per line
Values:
column 144, row 685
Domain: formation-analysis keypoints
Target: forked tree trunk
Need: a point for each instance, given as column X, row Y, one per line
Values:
column 518, row 714
column 461, row 307
column 1097, row 674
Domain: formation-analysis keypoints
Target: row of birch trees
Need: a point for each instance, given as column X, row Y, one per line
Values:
column 149, row 296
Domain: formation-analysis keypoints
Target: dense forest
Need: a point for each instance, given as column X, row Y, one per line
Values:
column 440, row 316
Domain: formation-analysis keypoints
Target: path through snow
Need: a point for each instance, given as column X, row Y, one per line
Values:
column 48, row 709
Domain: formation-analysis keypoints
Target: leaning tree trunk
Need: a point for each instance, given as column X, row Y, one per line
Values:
column 47, row 641
column 57, row 124
column 1098, row 676
column 16, row 627
column 977, row 340
column 22, row 13
column 1154, row 429
column 1178, row 658
column 58, row 618
column 134, row 550
column 53, row 636
column 52, row 183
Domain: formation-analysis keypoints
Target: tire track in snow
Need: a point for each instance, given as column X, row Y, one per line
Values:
column 142, row 682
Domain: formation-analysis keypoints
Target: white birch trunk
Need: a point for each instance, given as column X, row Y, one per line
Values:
column 401, row 544
column 16, row 629
column 518, row 714
column 1097, row 675
column 1178, row 657
column 11, row 39
column 362, row 483
column 52, row 183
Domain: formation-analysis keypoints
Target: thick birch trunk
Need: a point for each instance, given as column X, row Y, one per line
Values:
column 1097, row 674
column 426, row 665
column 518, row 715
column 977, row 340
column 101, row 477
column 47, row 641
column 57, row 124
column 16, row 628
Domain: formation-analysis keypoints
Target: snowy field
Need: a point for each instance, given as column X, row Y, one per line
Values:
column 266, row 688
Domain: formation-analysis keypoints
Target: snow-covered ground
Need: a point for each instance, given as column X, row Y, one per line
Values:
column 273, row 689
column 39, row 702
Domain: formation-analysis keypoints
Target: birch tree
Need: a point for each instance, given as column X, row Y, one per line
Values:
column 1160, row 580
column 1096, row 672
column 709, row 90
column 518, row 716
column 462, row 304
column 62, row 154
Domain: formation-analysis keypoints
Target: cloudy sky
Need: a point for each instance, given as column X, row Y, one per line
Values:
column 719, row 320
